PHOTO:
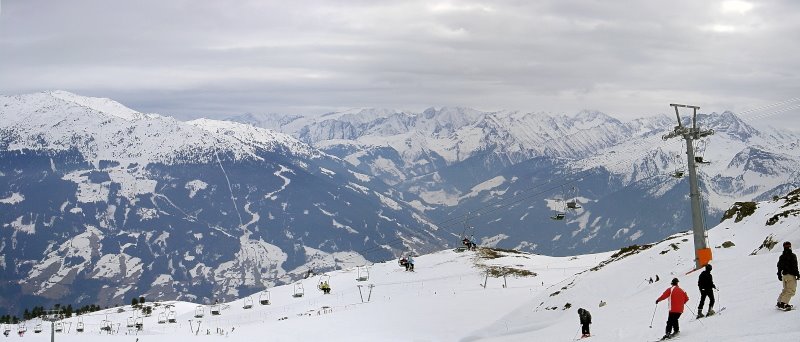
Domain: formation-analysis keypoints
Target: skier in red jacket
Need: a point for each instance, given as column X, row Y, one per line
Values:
column 677, row 298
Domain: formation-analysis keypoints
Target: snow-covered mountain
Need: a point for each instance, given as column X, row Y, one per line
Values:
column 99, row 203
column 502, row 175
column 501, row 295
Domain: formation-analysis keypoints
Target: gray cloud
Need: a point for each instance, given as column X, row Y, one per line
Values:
column 211, row 58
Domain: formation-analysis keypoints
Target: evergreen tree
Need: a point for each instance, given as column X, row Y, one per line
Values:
column 134, row 301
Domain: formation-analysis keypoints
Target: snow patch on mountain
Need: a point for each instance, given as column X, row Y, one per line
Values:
column 14, row 198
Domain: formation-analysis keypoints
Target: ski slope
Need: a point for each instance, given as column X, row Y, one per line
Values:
column 444, row 300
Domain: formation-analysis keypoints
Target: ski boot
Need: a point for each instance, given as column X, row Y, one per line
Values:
column 710, row 312
column 700, row 313
column 788, row 307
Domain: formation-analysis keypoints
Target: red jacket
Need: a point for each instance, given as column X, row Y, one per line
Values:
column 677, row 297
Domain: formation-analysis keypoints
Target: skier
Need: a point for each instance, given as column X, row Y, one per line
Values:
column 677, row 298
column 651, row 280
column 657, row 277
column 787, row 272
column 586, row 319
column 706, row 284
column 410, row 261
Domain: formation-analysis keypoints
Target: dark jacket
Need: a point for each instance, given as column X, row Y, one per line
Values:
column 787, row 263
column 706, row 281
column 585, row 316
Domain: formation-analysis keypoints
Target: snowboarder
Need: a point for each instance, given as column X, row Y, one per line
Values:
column 706, row 284
column 788, row 274
column 586, row 319
column 677, row 298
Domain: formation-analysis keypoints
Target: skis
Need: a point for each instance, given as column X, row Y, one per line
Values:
column 714, row 314
column 669, row 337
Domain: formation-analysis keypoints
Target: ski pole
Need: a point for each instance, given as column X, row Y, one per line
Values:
column 695, row 315
column 718, row 302
column 575, row 338
column 654, row 316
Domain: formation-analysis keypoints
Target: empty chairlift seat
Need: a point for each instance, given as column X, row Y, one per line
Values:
column 263, row 298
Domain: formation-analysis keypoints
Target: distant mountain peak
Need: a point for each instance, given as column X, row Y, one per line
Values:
column 99, row 104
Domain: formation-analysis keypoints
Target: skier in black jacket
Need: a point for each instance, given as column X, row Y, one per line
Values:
column 706, row 284
column 788, row 274
column 586, row 319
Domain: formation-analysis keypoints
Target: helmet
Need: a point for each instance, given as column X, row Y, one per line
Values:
column 674, row 281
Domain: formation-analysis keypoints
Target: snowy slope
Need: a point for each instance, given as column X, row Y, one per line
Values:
column 445, row 301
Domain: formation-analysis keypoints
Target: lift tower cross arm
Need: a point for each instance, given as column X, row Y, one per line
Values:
column 702, row 252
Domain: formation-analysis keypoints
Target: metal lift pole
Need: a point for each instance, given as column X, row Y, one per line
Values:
column 702, row 252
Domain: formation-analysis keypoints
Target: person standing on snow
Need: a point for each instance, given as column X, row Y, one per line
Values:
column 677, row 298
column 706, row 284
column 788, row 274
column 586, row 319
column 410, row 261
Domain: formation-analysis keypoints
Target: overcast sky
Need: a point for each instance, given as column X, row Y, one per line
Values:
column 217, row 58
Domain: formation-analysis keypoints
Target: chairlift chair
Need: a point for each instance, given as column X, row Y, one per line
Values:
column 298, row 290
column 172, row 316
column 80, row 326
column 6, row 330
column 559, row 213
column 59, row 326
column 363, row 273
column 573, row 204
column 700, row 160
column 572, row 199
column 21, row 328
column 105, row 325
column 38, row 328
column 215, row 310
column 248, row 303
column 162, row 318
column 263, row 298
column 139, row 325
column 323, row 279
column 131, row 322
column 199, row 311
